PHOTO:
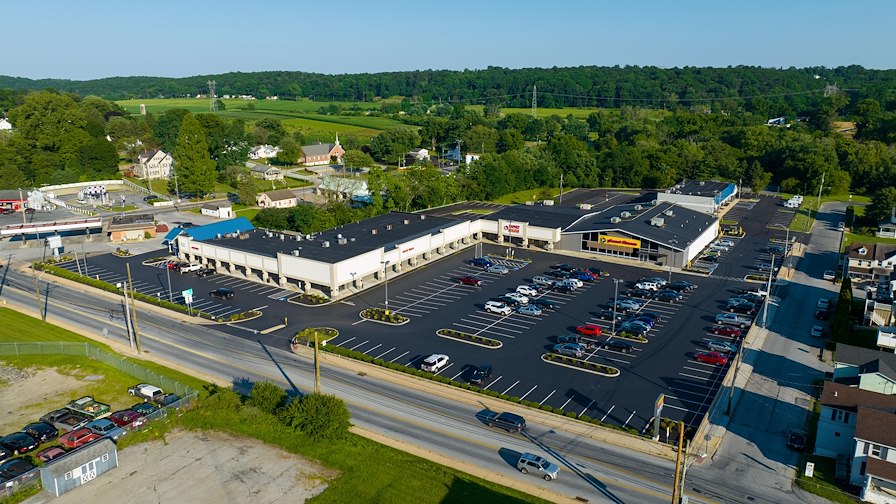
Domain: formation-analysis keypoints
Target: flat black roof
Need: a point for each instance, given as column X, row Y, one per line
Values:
column 678, row 230
column 548, row 216
column 599, row 198
column 698, row 187
column 391, row 229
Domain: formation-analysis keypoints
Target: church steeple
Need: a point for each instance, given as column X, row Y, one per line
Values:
column 337, row 138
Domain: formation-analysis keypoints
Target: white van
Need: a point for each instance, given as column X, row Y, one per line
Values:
column 791, row 204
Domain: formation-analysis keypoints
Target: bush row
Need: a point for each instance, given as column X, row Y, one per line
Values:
column 345, row 352
column 582, row 364
column 311, row 299
column 381, row 315
column 451, row 333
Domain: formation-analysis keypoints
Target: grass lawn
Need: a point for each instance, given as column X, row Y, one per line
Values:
column 822, row 481
column 371, row 472
column 805, row 214
column 520, row 197
column 850, row 238
column 248, row 213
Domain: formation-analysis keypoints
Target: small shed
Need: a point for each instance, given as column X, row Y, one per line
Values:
column 219, row 210
column 79, row 467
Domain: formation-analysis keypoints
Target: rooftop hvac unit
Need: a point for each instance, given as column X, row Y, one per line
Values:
column 373, row 231
column 295, row 253
column 218, row 236
column 548, row 202
column 638, row 207
column 657, row 221
column 269, row 234
column 341, row 241
column 625, row 215
column 422, row 216
column 351, row 239
column 282, row 237
column 668, row 213
column 654, row 202
column 388, row 227
column 339, row 235
column 530, row 203
column 325, row 244
column 701, row 183
column 298, row 237
column 309, row 237
column 585, row 206
column 615, row 220
column 244, row 236
column 406, row 222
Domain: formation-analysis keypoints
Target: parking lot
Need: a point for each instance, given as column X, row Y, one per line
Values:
column 433, row 298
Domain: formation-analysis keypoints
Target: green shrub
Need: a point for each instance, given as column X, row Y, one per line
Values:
column 586, row 418
column 514, row 399
column 571, row 414
column 266, row 396
column 320, row 416
column 547, row 407
column 559, row 411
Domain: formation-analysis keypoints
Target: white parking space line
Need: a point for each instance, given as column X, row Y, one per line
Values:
column 496, row 325
column 586, row 408
column 706, row 371
column 359, row 344
column 564, row 404
column 628, row 419
column 423, row 302
column 415, row 359
column 400, row 356
column 548, row 397
column 682, row 400
column 444, row 368
column 494, row 382
column 372, row 349
column 529, row 392
column 607, row 413
column 480, row 331
column 709, row 388
column 341, row 343
column 458, row 374
column 384, row 353
column 510, row 387
column 406, row 310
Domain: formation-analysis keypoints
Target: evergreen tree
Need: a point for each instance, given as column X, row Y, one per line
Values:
column 195, row 168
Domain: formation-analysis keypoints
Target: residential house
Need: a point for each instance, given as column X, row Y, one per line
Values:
column 419, row 155
column 264, row 152
column 221, row 210
column 322, row 153
column 281, row 198
column 264, row 172
column 871, row 261
column 887, row 228
column 866, row 369
column 860, row 425
column 154, row 164
column 5, row 124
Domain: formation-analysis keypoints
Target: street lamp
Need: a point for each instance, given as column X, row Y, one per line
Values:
column 353, row 273
column 386, row 281
column 768, row 293
column 616, row 282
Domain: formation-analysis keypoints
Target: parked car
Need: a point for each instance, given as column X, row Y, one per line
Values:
column 564, row 267
column 641, row 293
column 222, row 293
column 563, row 288
column 175, row 265
column 589, row 330
column 752, row 297
column 519, row 298
column 497, row 268
column 542, row 280
column 610, row 315
column 558, row 274
column 48, row 454
column 529, row 309
column 107, row 428
column 744, row 309
column 648, row 286
column 570, row 349
column 4, row 454
column 733, row 319
column 638, row 302
column 128, row 418
column 824, row 304
column 144, row 408
column 583, row 276
column 775, row 249
column 617, row 345
column 714, row 358
column 649, row 322
column 726, row 242
column 526, row 290
column 669, row 296
column 625, row 306
column 797, row 439
column 568, row 338
column 189, row 268
column 817, row 331
column 538, row 466
column 41, row 431
column 480, row 374
column 829, row 275
column 681, row 286
column 434, row 363
column 204, row 272
column 168, row 400
column 78, row 438
column 726, row 330
column 641, row 327
column 719, row 246
column 12, row 469
column 146, row 392
column 590, row 274
column 709, row 258
column 721, row 346
column 19, row 443
column 481, row 262
column 544, row 304
column 64, row 420
column 657, row 280
column 469, row 280
column 767, row 267
column 841, row 226
column 507, row 421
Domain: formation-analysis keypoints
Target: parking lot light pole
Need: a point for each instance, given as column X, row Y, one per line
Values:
column 768, row 293
column 616, row 282
column 386, row 282
column 168, row 271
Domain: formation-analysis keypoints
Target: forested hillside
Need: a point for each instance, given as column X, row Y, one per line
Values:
column 764, row 91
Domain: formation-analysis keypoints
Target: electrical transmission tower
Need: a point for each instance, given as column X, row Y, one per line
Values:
column 534, row 102
column 213, row 99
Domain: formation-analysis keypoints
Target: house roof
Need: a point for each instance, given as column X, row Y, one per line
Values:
column 318, row 149
column 261, row 168
column 79, row 457
column 881, row 469
column 13, row 195
column 391, row 229
column 876, row 426
column 131, row 221
column 842, row 396
column 677, row 232
column 280, row 195
column 878, row 366
column 858, row 356
column 215, row 206
column 873, row 251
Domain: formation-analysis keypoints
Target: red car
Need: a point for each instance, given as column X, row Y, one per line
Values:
column 127, row 418
column 78, row 438
column 48, row 454
column 726, row 331
column 714, row 358
column 589, row 330
column 468, row 280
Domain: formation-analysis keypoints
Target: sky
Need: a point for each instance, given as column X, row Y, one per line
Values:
column 93, row 39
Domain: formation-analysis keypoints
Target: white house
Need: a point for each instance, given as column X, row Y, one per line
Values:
column 281, row 198
column 5, row 124
column 264, row 152
column 154, row 164
column 419, row 154
column 220, row 210
column 866, row 369
column 871, row 261
column 887, row 228
column 264, row 172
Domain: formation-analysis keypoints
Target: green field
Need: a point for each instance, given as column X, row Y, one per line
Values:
column 370, row 472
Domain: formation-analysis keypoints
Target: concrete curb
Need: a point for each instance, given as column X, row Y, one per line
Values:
column 574, row 427
column 489, row 476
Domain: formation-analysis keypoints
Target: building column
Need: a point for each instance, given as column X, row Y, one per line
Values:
column 426, row 256
column 549, row 246
column 525, row 242
column 397, row 268
column 413, row 261
column 248, row 272
column 334, row 291
column 231, row 268
column 500, row 238
column 217, row 264
column 283, row 282
column 440, row 250
column 264, row 276
column 465, row 240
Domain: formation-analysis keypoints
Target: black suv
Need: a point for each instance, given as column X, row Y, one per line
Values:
column 222, row 293
column 506, row 421
column 617, row 345
column 480, row 374
column 204, row 272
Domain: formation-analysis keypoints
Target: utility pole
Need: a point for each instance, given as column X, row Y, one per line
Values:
column 129, row 327
column 133, row 308
column 818, row 201
column 561, row 188
column 43, row 315
column 768, row 292
column 675, row 486
column 316, row 364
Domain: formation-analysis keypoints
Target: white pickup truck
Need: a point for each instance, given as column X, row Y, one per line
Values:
column 188, row 268
column 146, row 392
